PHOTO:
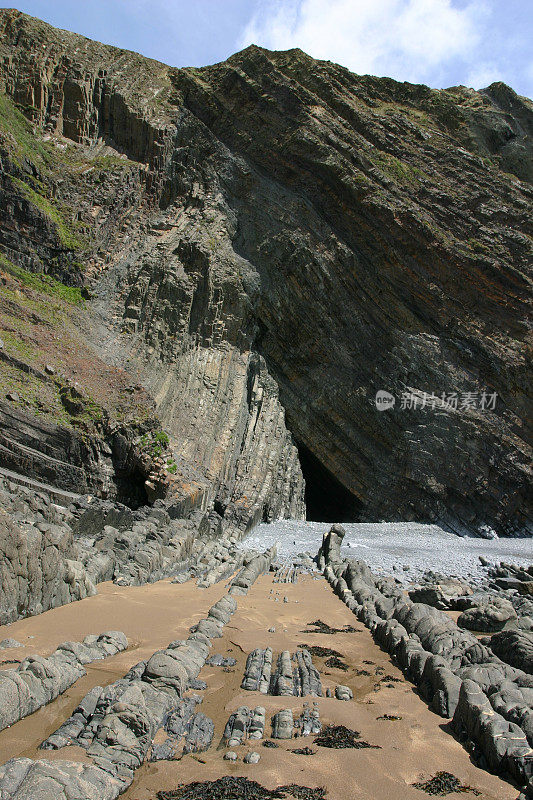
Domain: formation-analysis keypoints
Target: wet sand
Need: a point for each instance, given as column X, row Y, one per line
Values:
column 412, row 748
column 151, row 616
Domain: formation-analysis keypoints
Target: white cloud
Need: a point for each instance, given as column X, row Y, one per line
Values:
column 482, row 75
column 406, row 39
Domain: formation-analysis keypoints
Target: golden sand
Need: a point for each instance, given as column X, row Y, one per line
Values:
column 412, row 748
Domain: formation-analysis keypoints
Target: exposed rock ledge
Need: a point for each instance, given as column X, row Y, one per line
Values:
column 286, row 239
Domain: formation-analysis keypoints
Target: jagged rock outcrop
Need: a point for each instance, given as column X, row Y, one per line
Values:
column 258, row 671
column 487, row 699
column 39, row 680
column 292, row 239
column 38, row 569
column 283, row 724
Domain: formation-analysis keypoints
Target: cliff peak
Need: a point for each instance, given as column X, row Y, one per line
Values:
column 265, row 245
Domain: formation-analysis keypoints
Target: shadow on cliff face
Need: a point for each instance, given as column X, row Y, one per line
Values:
column 326, row 499
column 131, row 490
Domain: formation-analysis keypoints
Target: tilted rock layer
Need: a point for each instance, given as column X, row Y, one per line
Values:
column 272, row 240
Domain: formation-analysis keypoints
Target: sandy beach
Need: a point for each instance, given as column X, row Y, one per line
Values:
column 412, row 748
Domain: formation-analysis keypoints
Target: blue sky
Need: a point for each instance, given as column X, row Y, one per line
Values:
column 438, row 42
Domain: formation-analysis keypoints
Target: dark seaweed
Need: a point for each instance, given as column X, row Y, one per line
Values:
column 339, row 737
column 336, row 663
column 443, row 783
column 230, row 788
column 321, row 652
column 321, row 627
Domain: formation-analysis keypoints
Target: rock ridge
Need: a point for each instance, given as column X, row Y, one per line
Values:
column 291, row 239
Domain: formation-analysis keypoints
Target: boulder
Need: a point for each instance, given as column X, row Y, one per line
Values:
column 489, row 616
column 514, row 646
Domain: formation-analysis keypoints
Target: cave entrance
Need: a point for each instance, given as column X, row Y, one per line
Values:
column 326, row 499
column 131, row 490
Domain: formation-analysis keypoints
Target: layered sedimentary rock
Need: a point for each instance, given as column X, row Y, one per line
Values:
column 487, row 699
column 116, row 724
column 289, row 239
column 52, row 554
column 38, row 569
column 38, row 680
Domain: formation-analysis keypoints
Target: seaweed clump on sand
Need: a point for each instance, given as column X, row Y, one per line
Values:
column 339, row 737
column 336, row 663
column 303, row 751
column 334, row 658
column 322, row 627
column 321, row 652
column 304, row 792
column 230, row 788
column 443, row 783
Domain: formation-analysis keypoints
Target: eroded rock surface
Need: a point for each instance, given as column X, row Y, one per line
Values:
column 39, row 680
column 38, row 568
column 488, row 699
column 242, row 224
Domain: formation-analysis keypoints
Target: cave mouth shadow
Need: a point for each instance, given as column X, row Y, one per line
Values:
column 326, row 499
column 131, row 490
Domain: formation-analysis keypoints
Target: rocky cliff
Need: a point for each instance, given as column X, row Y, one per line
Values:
column 264, row 244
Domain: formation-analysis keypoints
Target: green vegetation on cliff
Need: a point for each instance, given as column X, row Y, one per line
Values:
column 45, row 284
column 19, row 135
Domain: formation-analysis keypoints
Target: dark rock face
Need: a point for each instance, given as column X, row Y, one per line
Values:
column 53, row 454
column 439, row 591
column 299, row 238
column 515, row 647
column 38, row 569
column 488, row 616
column 330, row 549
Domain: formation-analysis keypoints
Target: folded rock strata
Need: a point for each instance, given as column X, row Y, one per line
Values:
column 38, row 680
column 51, row 554
column 269, row 241
column 117, row 724
column 295, row 676
column 487, row 699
